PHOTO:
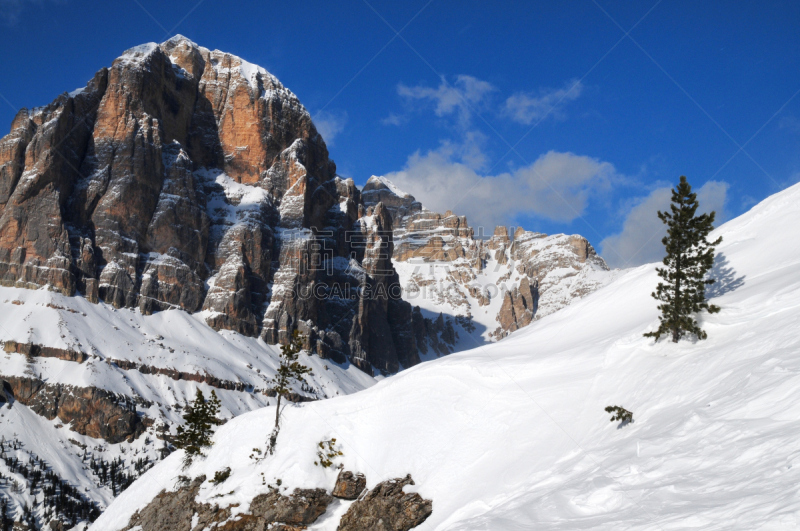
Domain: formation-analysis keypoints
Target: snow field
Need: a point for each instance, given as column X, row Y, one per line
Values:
column 513, row 435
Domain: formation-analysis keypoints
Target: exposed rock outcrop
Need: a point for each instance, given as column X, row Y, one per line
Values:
column 499, row 243
column 518, row 309
column 563, row 267
column 178, row 511
column 174, row 374
column 89, row 410
column 384, row 508
column 300, row 509
column 34, row 350
column 349, row 485
column 398, row 203
column 387, row 508
column 382, row 318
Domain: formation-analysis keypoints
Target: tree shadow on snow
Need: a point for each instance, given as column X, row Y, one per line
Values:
column 624, row 423
column 726, row 279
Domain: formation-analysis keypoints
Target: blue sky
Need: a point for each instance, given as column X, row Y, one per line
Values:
column 560, row 117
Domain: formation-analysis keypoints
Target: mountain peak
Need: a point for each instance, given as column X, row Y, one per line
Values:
column 138, row 53
column 378, row 182
column 180, row 39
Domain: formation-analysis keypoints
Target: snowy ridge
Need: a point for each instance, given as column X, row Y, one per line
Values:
column 261, row 83
column 390, row 185
column 168, row 340
column 513, row 435
column 137, row 54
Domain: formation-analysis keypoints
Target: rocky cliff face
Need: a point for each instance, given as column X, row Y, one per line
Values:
column 501, row 283
column 187, row 178
column 181, row 177
column 95, row 412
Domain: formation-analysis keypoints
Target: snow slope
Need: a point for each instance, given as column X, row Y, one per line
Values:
column 513, row 436
column 170, row 339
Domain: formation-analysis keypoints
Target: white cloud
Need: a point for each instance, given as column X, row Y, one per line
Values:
column 639, row 242
column 394, row 119
column 527, row 108
column 462, row 97
column 469, row 151
column 556, row 186
column 468, row 94
column 329, row 124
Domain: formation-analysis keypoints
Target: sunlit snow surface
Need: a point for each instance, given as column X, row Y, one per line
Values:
column 513, row 435
column 169, row 340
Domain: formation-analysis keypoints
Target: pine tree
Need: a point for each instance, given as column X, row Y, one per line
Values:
column 6, row 522
column 689, row 258
column 200, row 418
column 290, row 371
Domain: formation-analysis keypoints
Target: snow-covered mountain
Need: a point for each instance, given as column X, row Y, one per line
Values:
column 167, row 226
column 488, row 286
column 513, row 435
column 185, row 178
column 104, row 385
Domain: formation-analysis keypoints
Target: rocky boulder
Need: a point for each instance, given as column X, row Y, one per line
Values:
column 349, row 485
column 387, row 508
column 301, row 508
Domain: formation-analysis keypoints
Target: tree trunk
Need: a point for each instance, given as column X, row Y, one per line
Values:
column 676, row 301
column 278, row 411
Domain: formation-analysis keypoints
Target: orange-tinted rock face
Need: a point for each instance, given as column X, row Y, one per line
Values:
column 187, row 178
column 12, row 153
column 519, row 307
column 34, row 242
column 239, row 115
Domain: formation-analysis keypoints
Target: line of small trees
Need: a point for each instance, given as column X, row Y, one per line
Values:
column 6, row 520
column 60, row 500
column 115, row 475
